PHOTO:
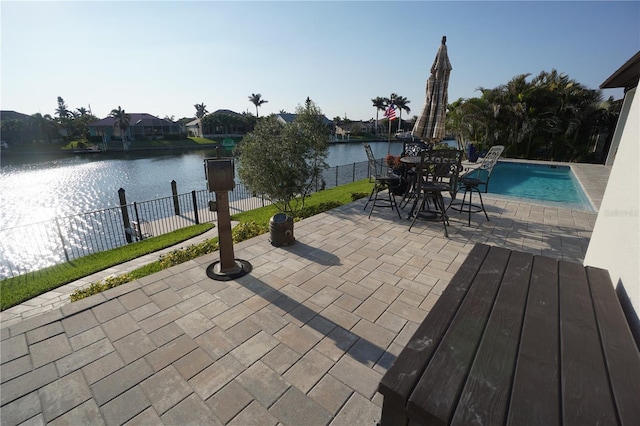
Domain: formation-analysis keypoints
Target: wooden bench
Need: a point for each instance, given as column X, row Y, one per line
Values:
column 518, row 339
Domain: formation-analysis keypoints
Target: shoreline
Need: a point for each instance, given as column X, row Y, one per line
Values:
column 63, row 153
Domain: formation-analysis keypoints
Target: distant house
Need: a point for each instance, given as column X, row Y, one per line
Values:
column 194, row 128
column 225, row 122
column 287, row 118
column 13, row 115
column 141, row 126
column 345, row 130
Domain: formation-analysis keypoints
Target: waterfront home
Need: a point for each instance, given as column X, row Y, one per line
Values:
column 141, row 126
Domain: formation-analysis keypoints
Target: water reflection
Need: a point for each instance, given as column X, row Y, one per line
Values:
column 61, row 187
column 38, row 192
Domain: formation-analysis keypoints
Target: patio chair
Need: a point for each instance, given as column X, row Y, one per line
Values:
column 437, row 173
column 382, row 182
column 473, row 180
column 411, row 149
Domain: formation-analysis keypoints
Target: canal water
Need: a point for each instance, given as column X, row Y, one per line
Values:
column 35, row 191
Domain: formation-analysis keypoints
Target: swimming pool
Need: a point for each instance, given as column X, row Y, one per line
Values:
column 554, row 185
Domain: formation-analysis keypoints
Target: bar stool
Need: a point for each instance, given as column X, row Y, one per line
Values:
column 473, row 180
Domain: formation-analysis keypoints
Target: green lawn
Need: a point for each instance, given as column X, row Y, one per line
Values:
column 19, row 289
column 24, row 287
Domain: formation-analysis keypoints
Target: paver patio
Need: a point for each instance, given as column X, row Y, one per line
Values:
column 303, row 339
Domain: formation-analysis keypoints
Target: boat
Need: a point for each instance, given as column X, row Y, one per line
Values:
column 403, row 135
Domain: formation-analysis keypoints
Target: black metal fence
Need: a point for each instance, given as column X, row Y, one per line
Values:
column 31, row 247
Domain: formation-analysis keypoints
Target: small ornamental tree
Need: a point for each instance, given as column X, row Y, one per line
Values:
column 283, row 161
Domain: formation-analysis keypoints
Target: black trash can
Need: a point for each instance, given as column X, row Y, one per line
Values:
column 281, row 230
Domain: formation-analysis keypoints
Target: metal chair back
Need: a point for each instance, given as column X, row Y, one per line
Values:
column 491, row 158
column 483, row 173
column 373, row 167
column 413, row 149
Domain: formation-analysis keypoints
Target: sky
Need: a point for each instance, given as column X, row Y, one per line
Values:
column 163, row 57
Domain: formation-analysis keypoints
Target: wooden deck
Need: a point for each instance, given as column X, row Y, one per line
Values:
column 518, row 339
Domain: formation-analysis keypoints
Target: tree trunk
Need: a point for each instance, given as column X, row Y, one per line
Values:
column 125, row 145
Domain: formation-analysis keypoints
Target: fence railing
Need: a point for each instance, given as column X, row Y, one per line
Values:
column 28, row 248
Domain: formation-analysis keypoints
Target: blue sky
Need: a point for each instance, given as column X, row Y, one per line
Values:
column 164, row 57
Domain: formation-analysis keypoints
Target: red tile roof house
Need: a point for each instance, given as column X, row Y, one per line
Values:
column 141, row 127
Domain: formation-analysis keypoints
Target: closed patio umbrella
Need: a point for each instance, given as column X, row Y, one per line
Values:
column 429, row 126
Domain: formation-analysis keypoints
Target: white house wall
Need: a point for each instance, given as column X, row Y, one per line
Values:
column 615, row 242
column 615, row 140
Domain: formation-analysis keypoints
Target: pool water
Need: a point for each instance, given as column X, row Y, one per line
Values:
column 552, row 185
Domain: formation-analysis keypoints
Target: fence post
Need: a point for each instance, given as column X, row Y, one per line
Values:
column 337, row 175
column 66, row 255
column 353, row 178
column 176, row 204
column 125, row 215
column 195, row 206
column 135, row 210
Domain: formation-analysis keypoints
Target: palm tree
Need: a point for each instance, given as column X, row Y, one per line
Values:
column 201, row 110
column 62, row 110
column 379, row 105
column 256, row 99
column 43, row 125
column 401, row 103
column 64, row 116
column 390, row 100
column 121, row 119
column 12, row 130
column 82, row 111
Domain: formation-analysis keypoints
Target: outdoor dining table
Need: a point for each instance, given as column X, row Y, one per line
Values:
column 411, row 160
column 414, row 163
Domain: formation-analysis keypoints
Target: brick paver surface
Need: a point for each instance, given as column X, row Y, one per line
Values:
column 304, row 339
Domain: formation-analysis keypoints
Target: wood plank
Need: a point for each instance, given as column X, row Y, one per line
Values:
column 586, row 395
column 535, row 395
column 485, row 397
column 399, row 381
column 436, row 394
column 621, row 353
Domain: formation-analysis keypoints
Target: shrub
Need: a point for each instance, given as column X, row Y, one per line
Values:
column 357, row 195
column 100, row 286
column 182, row 255
column 282, row 160
column 314, row 210
column 246, row 230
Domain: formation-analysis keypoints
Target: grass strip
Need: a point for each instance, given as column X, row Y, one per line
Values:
column 342, row 194
column 18, row 289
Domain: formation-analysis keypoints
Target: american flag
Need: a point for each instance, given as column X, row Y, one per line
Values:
column 390, row 113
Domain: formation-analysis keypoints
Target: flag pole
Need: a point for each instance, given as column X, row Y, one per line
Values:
column 389, row 141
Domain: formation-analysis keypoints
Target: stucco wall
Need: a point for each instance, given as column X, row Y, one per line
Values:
column 615, row 242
